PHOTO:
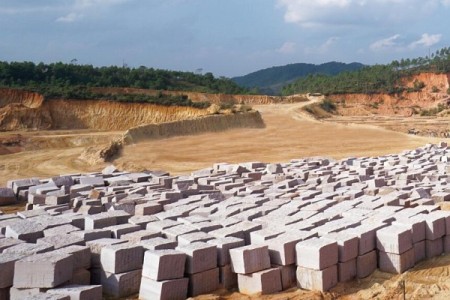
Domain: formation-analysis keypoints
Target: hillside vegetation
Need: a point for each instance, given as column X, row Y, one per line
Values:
column 374, row 79
column 71, row 81
column 271, row 80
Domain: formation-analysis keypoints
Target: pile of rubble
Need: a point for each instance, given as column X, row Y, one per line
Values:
column 260, row 228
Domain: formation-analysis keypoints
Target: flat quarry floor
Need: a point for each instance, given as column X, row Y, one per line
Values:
column 288, row 134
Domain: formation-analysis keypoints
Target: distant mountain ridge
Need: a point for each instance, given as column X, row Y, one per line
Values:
column 271, row 80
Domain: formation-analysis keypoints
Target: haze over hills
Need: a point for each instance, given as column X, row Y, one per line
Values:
column 271, row 80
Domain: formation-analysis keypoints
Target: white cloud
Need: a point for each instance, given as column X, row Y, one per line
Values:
column 427, row 40
column 69, row 18
column 287, row 48
column 387, row 43
column 310, row 13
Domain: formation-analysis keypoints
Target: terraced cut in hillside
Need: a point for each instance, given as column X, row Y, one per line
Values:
column 314, row 227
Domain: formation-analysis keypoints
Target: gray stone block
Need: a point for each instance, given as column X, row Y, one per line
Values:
column 79, row 292
column 227, row 278
column 175, row 289
column 434, row 248
column 45, row 270
column 347, row 245
column 317, row 253
column 322, row 280
column 158, row 243
column 347, row 270
column 223, row 248
column 7, row 196
column 199, row 257
column 121, row 285
column 121, row 258
column 394, row 239
column 7, row 261
column 250, row 259
column 25, row 230
column 366, row 264
column 396, row 263
column 203, row 282
column 163, row 264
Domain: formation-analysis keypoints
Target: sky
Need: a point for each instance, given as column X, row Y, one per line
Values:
column 226, row 37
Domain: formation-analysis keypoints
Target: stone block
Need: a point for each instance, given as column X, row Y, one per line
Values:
column 7, row 196
column 92, row 235
column 63, row 229
column 262, row 282
column 142, row 220
column 96, row 247
column 7, row 261
column 98, row 221
column 366, row 264
column 25, row 230
column 138, row 236
column 175, row 289
column 29, row 249
column 118, row 230
column 419, row 251
column 79, row 292
column 194, row 237
column 223, row 248
column 288, row 276
column 322, row 280
column 347, row 270
column 396, row 263
column 203, row 282
column 347, row 245
column 163, row 265
column 45, row 270
column 146, row 209
column 174, row 232
column 199, row 257
column 227, row 278
column 435, row 226
column 249, row 259
column 5, row 243
column 80, row 277
column 121, row 258
column 158, row 243
column 61, row 240
column 81, row 256
column 121, row 285
column 394, row 239
column 317, row 253
column 416, row 225
column 434, row 247
column 20, row 294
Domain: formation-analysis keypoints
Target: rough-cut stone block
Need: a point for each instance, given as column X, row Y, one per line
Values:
column 322, row 280
column 94, row 234
column 61, row 240
column 121, row 258
column 163, row 264
column 417, row 227
column 81, row 256
column 288, row 276
column 7, row 261
column 80, row 277
column 63, row 229
column 25, row 230
column 419, row 251
column 45, row 270
column 158, row 243
column 227, row 278
column 79, row 292
column 5, row 243
column 199, row 257
column 396, row 263
column 98, row 221
column 194, row 237
column 394, row 239
column 96, row 247
column 317, row 253
column 203, row 282
column 366, row 264
column 121, row 285
column 223, row 248
column 250, row 259
column 347, row 245
column 29, row 249
column 141, row 235
column 347, row 270
column 261, row 282
column 148, row 209
column 282, row 249
column 434, row 247
column 175, row 289
column 435, row 227
column 7, row 196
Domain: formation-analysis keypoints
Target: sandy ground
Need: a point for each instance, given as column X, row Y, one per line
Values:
column 288, row 135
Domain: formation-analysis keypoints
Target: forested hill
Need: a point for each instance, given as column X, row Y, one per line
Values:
column 271, row 80
column 374, row 79
column 29, row 75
